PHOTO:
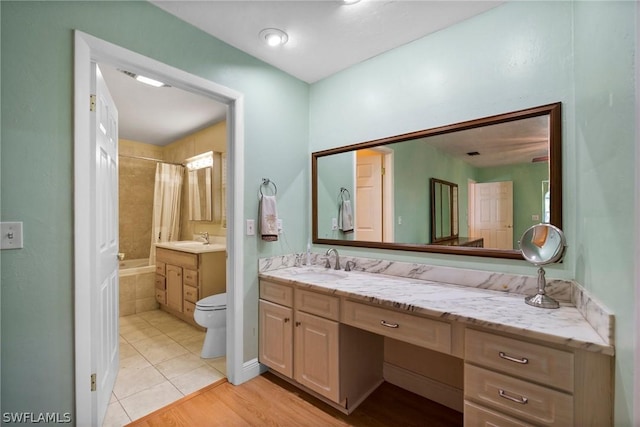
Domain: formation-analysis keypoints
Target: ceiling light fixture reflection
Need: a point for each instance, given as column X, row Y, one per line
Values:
column 350, row 2
column 273, row 37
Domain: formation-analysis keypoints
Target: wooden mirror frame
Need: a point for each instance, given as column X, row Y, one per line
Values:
column 555, row 179
column 453, row 208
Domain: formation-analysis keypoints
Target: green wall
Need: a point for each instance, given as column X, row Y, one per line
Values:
column 519, row 55
column 37, row 171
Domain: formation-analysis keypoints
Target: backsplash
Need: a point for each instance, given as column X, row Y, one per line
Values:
column 561, row 290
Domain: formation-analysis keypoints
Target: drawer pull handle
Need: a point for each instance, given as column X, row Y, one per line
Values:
column 522, row 361
column 521, row 399
column 389, row 325
column 298, row 324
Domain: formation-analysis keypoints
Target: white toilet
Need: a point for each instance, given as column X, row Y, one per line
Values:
column 211, row 313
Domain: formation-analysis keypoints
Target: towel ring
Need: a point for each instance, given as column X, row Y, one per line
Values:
column 342, row 193
column 265, row 183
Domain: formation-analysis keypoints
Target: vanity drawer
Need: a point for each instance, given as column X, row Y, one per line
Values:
column 538, row 363
column 319, row 304
column 190, row 293
column 423, row 332
column 161, row 283
column 477, row 416
column 161, row 296
column 277, row 293
column 160, row 268
column 190, row 277
column 183, row 259
column 534, row 403
column 189, row 308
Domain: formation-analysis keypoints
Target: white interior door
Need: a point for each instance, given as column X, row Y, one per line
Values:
column 368, row 212
column 493, row 214
column 104, row 291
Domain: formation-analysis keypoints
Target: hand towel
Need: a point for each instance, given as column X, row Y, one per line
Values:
column 268, row 218
column 347, row 216
column 540, row 236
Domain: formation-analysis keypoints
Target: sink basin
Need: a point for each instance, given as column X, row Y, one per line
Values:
column 187, row 243
column 319, row 275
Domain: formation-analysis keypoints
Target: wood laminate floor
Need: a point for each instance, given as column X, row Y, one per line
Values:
column 270, row 401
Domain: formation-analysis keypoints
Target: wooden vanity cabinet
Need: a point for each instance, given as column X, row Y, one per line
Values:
column 302, row 339
column 183, row 278
column 508, row 381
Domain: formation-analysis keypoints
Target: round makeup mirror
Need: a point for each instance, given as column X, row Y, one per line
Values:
column 540, row 245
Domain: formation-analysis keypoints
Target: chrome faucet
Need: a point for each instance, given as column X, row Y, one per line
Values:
column 205, row 236
column 328, row 254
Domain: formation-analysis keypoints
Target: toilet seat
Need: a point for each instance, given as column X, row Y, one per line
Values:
column 213, row 303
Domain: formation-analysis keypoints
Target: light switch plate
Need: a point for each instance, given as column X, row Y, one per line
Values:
column 251, row 227
column 11, row 233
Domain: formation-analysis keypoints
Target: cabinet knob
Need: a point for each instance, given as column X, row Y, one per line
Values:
column 286, row 319
column 298, row 323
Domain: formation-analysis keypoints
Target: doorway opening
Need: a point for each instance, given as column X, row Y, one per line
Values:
column 89, row 49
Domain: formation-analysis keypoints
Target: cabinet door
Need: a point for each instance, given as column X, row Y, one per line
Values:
column 174, row 287
column 316, row 354
column 276, row 337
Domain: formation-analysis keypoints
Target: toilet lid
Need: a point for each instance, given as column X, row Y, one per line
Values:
column 213, row 301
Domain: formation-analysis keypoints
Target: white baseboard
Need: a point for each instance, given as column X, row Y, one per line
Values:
column 443, row 394
column 251, row 369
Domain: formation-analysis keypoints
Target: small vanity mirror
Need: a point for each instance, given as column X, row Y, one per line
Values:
column 199, row 181
column 206, row 187
column 542, row 244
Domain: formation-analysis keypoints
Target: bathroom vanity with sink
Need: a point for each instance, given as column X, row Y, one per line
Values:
column 338, row 335
column 187, row 271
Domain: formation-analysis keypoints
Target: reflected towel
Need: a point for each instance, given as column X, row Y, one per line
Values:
column 268, row 219
column 346, row 215
column 540, row 236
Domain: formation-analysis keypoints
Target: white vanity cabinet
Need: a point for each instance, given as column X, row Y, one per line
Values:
column 302, row 339
column 513, row 382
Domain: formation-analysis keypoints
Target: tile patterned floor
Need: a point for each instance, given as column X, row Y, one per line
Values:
column 159, row 363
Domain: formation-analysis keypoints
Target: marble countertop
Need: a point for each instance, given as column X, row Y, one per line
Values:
column 490, row 309
column 193, row 246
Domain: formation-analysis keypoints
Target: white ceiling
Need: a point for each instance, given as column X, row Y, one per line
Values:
column 324, row 38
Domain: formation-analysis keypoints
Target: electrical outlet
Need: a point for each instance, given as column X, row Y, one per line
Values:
column 334, row 223
column 251, row 227
column 279, row 222
column 11, row 235
column 535, row 217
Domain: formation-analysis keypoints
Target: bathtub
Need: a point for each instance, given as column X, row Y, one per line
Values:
column 137, row 286
column 136, row 266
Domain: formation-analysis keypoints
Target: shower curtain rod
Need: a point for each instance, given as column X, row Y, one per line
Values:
column 150, row 159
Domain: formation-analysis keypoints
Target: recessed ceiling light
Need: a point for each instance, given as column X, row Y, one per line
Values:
column 273, row 37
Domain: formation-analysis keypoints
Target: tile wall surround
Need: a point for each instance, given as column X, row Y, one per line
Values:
column 137, row 294
column 564, row 291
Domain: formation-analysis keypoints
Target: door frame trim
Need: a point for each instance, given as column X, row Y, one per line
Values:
column 87, row 49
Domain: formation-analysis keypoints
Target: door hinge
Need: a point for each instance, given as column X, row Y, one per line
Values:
column 383, row 171
column 92, row 103
column 93, row 382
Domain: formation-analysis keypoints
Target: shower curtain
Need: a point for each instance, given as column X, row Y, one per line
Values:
column 165, row 225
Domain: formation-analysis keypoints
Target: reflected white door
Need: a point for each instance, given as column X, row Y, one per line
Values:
column 493, row 216
column 368, row 212
column 104, row 290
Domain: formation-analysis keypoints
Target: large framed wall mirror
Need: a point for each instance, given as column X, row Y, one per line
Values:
column 469, row 188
